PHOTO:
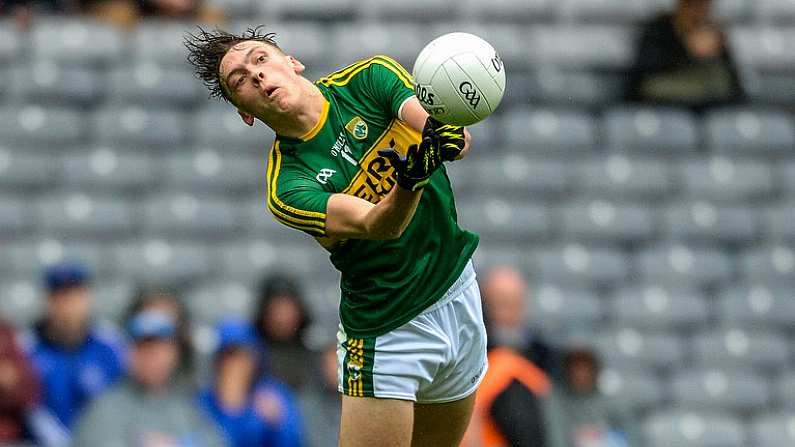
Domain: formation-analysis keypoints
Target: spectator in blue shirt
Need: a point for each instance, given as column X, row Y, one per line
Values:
column 75, row 357
column 252, row 409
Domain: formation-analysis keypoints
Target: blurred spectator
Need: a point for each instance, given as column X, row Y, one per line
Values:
column 149, row 408
column 589, row 418
column 119, row 12
column 683, row 59
column 282, row 320
column 19, row 389
column 75, row 357
column 166, row 300
column 182, row 9
column 505, row 300
column 320, row 399
column 252, row 409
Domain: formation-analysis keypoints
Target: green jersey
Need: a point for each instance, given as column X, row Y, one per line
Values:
column 384, row 283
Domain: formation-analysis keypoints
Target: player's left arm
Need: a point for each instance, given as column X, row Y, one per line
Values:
column 415, row 116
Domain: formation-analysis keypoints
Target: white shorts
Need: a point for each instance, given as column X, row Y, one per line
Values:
column 439, row 356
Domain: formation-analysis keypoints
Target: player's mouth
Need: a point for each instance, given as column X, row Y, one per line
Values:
column 270, row 91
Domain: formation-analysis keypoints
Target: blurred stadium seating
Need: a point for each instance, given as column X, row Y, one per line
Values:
column 663, row 237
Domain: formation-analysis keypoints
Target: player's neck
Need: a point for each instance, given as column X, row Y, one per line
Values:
column 303, row 119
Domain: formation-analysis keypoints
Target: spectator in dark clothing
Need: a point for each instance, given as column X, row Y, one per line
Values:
column 19, row 388
column 683, row 59
column 282, row 320
column 505, row 299
column 587, row 417
column 320, row 399
column 149, row 408
column 252, row 409
column 75, row 357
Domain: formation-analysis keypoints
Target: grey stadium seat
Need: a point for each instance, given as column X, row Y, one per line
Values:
column 622, row 176
column 247, row 259
column 501, row 11
column 29, row 257
column 558, row 307
column 773, row 88
column 580, row 45
column 149, row 84
column 726, row 179
column 777, row 221
column 21, row 301
column 501, row 36
column 307, row 41
column 161, row 42
column 77, row 213
column 579, row 264
column 657, row 307
column 492, row 255
column 211, row 170
column 739, row 348
column 496, row 219
column 20, row 170
column 785, row 390
column 33, row 125
column 711, row 389
column 135, row 127
column 549, row 132
column 158, row 260
column 563, row 86
column 180, row 213
column 786, row 176
column 106, row 168
column 763, row 47
column 310, row 9
column 219, row 127
column 628, row 348
column 750, row 132
column 606, row 11
column 259, row 222
column 512, row 175
column 45, row 82
column 78, row 42
column 769, row 264
column 757, row 306
column 702, row 221
column 605, row 220
column 216, row 298
column 233, row 8
column 350, row 47
column 415, row 10
column 633, row 387
column 659, row 131
column 15, row 215
column 112, row 296
column 773, row 429
column 774, row 11
column 10, row 41
column 679, row 427
column 671, row 264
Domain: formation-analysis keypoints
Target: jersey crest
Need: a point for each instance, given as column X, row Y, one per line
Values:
column 357, row 127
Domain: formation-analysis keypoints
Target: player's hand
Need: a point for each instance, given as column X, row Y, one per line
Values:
column 452, row 139
column 414, row 170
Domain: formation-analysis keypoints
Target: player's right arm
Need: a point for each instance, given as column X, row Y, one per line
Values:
column 349, row 217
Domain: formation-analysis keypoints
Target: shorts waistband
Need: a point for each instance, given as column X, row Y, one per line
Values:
column 464, row 280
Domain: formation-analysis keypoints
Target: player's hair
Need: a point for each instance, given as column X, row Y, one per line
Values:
column 207, row 48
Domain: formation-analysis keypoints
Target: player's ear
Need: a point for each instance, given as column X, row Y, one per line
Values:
column 297, row 65
column 248, row 119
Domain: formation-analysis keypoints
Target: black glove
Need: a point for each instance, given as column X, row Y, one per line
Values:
column 450, row 138
column 414, row 170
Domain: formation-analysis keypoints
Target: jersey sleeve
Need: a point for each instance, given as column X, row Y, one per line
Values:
column 295, row 198
column 389, row 84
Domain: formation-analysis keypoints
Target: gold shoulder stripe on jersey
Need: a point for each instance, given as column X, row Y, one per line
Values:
column 310, row 221
column 320, row 123
column 395, row 64
column 343, row 77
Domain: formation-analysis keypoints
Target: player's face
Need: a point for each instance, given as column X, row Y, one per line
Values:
column 261, row 80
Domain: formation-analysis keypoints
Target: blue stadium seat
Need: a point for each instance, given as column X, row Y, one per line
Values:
column 21, row 301
column 744, row 131
column 211, row 170
column 578, row 264
column 726, row 179
column 134, row 127
column 629, row 348
column 558, row 307
column 661, row 132
column 106, row 168
column 219, row 127
column 75, row 213
column 702, row 221
column 148, row 84
column 183, row 213
column 606, row 220
column 636, row 389
column 773, row 264
column 214, row 298
column 772, row 429
column 496, row 219
column 681, row 427
column 78, row 42
column 672, row 264
column 659, row 307
column 32, row 125
column 45, row 82
column 757, row 306
column 21, row 170
column 161, row 261
column 740, row 348
column 549, row 132
column 627, row 177
column 716, row 389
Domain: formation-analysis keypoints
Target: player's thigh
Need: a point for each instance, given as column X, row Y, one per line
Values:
column 368, row 422
column 442, row 425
